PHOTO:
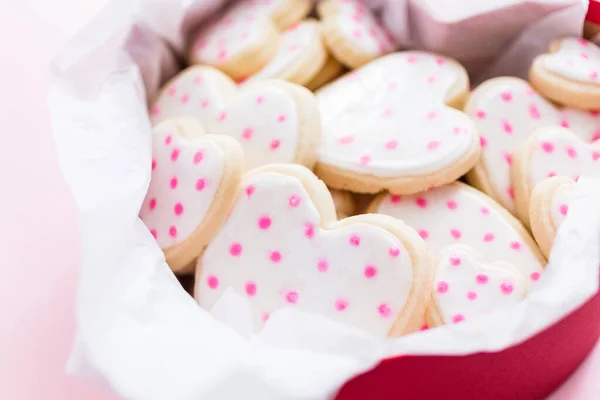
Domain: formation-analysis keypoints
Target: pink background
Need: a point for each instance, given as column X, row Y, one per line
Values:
column 38, row 229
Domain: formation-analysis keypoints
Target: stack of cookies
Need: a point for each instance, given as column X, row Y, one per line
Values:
column 345, row 198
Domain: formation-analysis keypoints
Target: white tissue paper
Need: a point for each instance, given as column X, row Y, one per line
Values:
column 139, row 334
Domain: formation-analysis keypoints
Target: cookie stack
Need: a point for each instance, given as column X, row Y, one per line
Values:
column 251, row 165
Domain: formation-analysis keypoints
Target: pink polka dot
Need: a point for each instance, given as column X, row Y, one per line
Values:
column 153, row 164
column 155, row 111
column 356, row 33
column 563, row 208
column 455, row 260
column 395, row 198
column 571, row 152
column 341, row 304
column 152, row 203
column 200, row 184
column 247, row 133
column 484, row 210
column 576, row 178
column 458, row 318
column 172, row 91
column 322, row 265
column 511, row 192
column 222, row 116
column 154, row 233
column 185, row 98
column 535, row 276
column 346, row 139
column 507, row 127
column 198, row 157
column 173, row 182
column 294, row 200
column 266, row 316
column 515, row 245
column 424, row 234
column 489, row 237
column 384, row 310
column 204, row 103
column 172, row 231
column 249, row 190
column 564, row 123
column 391, row 144
column 281, row 118
column 275, row 143
column 431, row 115
column 434, row 144
column 480, row 114
column 442, row 287
column 222, row 56
column 365, row 160
column 471, row 295
column 424, row 327
column 452, row 205
column 235, row 249
column 354, row 240
column 212, row 281
column 506, row 96
column 593, row 75
column 547, row 147
column 394, row 251
column 431, row 78
column 455, row 233
column 260, row 99
column 534, row 112
column 481, row 279
column 168, row 140
column 596, row 154
column 596, row 136
column 551, row 174
column 275, row 256
column 421, row 202
column 291, row 297
column 178, row 209
column 411, row 59
column 264, row 222
column 482, row 141
column 507, row 158
column 370, row 271
column 309, row 230
column 250, row 288
column 506, row 287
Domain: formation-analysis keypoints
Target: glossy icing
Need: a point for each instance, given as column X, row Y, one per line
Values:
column 559, row 206
column 575, row 59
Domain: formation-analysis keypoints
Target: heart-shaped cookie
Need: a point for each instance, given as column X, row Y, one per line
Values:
column 194, row 182
column 569, row 74
column 464, row 287
column 387, row 125
column 352, row 32
column 548, row 208
column 549, row 152
column 459, row 214
column 246, row 36
column 282, row 247
column 506, row 111
column 300, row 56
column 274, row 121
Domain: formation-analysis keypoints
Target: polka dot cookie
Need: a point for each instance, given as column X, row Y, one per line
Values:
column 548, row 208
column 464, row 287
column 343, row 202
column 550, row 151
column 282, row 247
column 459, row 214
column 194, row 181
column 246, row 37
column 370, row 117
column 353, row 34
column 300, row 56
column 506, row 111
column 569, row 74
column 274, row 121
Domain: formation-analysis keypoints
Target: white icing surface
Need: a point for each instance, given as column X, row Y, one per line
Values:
column 506, row 114
column 241, row 27
column 186, row 174
column 273, row 251
column 389, row 119
column 359, row 25
column 559, row 206
column 263, row 118
column 453, row 214
column 576, row 59
column 558, row 152
column 296, row 41
column 464, row 288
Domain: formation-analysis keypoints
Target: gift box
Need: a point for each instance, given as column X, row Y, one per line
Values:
column 142, row 336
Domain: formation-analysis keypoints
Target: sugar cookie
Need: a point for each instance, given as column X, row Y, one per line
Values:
column 194, row 181
column 282, row 247
column 548, row 208
column 353, row 34
column 371, row 116
column 459, row 214
column 330, row 70
column 464, row 287
column 569, row 74
column 343, row 202
column 275, row 121
column 506, row 111
column 246, row 36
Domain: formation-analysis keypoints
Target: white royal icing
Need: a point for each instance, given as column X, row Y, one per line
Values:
column 186, row 173
column 576, row 59
column 273, row 251
column 358, row 25
column 263, row 118
column 455, row 214
column 506, row 114
column 559, row 206
column 241, row 27
column 295, row 42
column 464, row 288
column 389, row 119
